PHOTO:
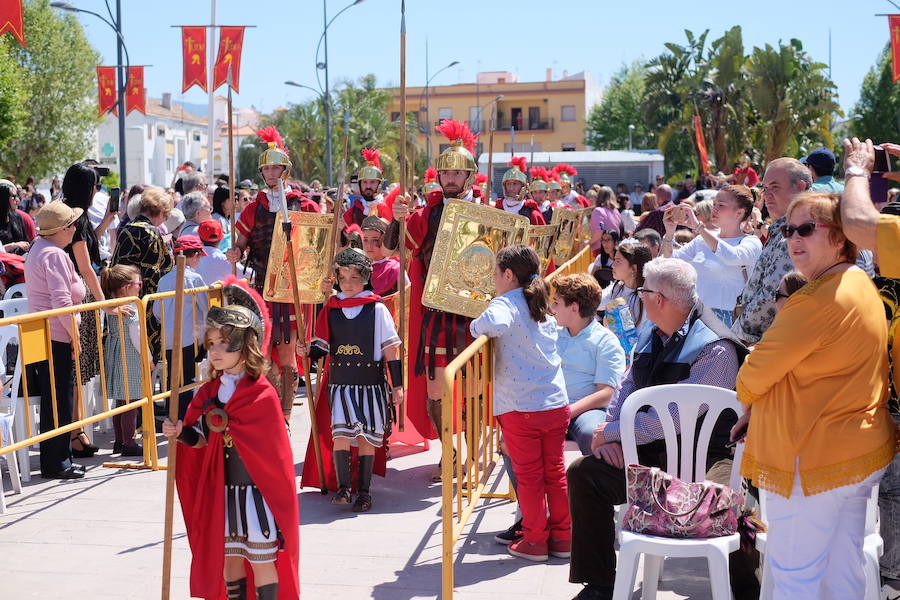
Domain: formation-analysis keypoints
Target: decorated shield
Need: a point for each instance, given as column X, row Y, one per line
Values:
column 567, row 220
column 542, row 239
column 310, row 239
column 583, row 229
column 461, row 276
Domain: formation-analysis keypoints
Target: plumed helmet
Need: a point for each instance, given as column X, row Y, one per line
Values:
column 353, row 257
column 566, row 173
column 275, row 152
column 244, row 309
column 519, row 165
column 460, row 155
column 372, row 168
column 553, row 180
column 539, row 179
column 431, row 183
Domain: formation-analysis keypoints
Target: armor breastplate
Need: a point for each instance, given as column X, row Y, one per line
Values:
column 434, row 222
column 261, row 242
column 352, row 348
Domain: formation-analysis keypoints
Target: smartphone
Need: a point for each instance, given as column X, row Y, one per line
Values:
column 114, row 194
column 882, row 161
column 740, row 436
column 878, row 187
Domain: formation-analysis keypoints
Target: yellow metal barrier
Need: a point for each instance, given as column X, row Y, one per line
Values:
column 35, row 347
column 467, row 418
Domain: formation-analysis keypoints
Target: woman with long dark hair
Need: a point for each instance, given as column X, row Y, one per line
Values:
column 602, row 267
column 13, row 232
column 628, row 272
column 222, row 208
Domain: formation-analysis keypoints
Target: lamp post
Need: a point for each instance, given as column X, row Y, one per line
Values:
column 428, row 124
column 630, row 129
column 120, row 47
column 327, row 93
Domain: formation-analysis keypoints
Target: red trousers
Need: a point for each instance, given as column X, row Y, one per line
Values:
column 535, row 443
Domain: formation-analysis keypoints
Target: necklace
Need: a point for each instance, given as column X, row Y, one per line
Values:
column 825, row 270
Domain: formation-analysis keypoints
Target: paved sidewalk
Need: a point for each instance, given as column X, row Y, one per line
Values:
column 101, row 538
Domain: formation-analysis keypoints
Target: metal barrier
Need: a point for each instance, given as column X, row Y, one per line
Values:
column 35, row 347
column 467, row 417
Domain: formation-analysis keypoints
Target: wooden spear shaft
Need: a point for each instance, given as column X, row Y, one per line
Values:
column 231, row 170
column 174, row 392
column 401, row 279
column 490, row 167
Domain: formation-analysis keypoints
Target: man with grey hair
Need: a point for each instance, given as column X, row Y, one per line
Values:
column 193, row 182
column 784, row 180
column 685, row 343
column 196, row 208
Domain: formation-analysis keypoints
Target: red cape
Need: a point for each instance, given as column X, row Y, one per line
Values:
column 310, row 476
column 256, row 425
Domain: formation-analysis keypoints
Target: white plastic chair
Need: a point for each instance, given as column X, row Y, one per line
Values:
column 16, row 291
column 8, row 333
column 13, row 306
column 32, row 403
column 689, row 399
column 873, row 548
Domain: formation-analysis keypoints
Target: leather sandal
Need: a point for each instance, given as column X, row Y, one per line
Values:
column 363, row 502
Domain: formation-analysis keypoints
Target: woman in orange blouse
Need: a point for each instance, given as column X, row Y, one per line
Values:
column 819, row 433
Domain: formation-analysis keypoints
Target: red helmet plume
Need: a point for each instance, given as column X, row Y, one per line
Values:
column 480, row 178
column 371, row 156
column 430, row 174
column 567, row 169
column 270, row 134
column 520, row 162
column 540, row 173
column 456, row 131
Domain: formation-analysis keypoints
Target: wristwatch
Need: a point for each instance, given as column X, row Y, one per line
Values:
column 855, row 171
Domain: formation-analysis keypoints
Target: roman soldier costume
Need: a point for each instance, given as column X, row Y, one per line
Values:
column 385, row 272
column 257, row 226
column 480, row 190
column 353, row 334
column 519, row 204
column 247, row 455
column 569, row 197
column 539, row 188
column 375, row 205
column 435, row 337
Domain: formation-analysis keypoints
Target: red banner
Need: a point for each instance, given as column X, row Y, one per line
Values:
column 701, row 145
column 135, row 94
column 231, row 42
column 106, row 88
column 894, row 21
column 193, row 52
column 11, row 19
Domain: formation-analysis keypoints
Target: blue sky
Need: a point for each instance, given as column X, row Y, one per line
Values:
column 525, row 37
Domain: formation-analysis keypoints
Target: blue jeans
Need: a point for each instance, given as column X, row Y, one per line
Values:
column 581, row 428
column 889, row 504
column 726, row 316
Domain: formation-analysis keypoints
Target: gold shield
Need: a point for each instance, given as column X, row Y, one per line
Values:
column 567, row 220
column 542, row 238
column 461, row 276
column 583, row 230
column 309, row 240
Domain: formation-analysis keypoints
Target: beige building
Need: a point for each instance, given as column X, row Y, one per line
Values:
column 551, row 112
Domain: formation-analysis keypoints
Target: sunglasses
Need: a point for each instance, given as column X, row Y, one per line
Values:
column 643, row 290
column 779, row 295
column 805, row 230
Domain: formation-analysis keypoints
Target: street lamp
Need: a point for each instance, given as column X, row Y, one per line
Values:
column 327, row 94
column 116, row 25
column 428, row 124
column 630, row 129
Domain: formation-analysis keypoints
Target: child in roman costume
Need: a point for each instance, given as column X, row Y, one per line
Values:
column 356, row 332
column 235, row 472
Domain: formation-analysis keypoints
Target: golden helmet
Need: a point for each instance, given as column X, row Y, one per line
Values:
column 431, row 183
column 275, row 153
column 566, row 173
column 460, row 155
column 539, row 179
column 517, row 172
column 372, row 168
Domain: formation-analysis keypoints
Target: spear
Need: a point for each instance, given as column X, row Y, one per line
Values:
column 490, row 167
column 231, row 169
column 287, row 227
column 401, row 280
column 174, row 393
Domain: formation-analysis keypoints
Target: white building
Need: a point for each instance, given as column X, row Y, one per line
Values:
column 156, row 143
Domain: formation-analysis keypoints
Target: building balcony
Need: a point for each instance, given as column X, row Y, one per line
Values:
column 504, row 124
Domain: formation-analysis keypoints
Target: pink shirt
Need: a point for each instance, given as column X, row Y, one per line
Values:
column 608, row 217
column 51, row 282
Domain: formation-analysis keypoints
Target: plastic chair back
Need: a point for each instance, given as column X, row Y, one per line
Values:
column 16, row 291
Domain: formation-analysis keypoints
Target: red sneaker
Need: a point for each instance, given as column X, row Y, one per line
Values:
column 529, row 551
column 560, row 548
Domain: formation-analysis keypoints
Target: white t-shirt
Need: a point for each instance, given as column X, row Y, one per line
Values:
column 720, row 278
column 619, row 290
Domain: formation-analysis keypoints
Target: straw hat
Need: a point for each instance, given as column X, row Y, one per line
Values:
column 56, row 216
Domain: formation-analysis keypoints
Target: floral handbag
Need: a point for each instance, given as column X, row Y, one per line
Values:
column 664, row 505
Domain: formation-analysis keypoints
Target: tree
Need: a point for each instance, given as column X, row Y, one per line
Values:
column 58, row 68
column 248, row 163
column 878, row 107
column 794, row 99
column 14, row 95
column 608, row 122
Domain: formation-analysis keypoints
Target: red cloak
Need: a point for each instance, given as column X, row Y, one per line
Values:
column 310, row 476
column 529, row 209
column 256, row 425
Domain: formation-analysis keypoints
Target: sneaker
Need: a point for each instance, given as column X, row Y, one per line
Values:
column 560, row 548
column 529, row 550
column 117, row 448
column 133, row 450
column 342, row 497
column 513, row 534
column 890, row 590
column 592, row 591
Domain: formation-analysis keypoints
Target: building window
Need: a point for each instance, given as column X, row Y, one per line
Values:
column 568, row 147
column 161, row 131
column 149, row 132
column 445, row 113
column 568, row 113
column 170, row 164
column 395, row 115
column 196, row 137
